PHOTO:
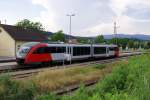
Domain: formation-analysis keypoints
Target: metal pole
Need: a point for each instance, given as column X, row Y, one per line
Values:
column 70, row 49
column 115, row 32
column 70, row 42
column 70, row 29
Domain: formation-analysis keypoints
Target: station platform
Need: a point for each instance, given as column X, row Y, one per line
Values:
column 7, row 59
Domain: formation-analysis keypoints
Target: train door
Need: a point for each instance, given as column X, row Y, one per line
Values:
column 107, row 51
column 69, row 53
column 58, row 53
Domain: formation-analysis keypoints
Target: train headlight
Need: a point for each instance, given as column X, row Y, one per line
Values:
column 19, row 55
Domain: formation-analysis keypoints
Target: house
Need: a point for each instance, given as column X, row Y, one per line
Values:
column 12, row 37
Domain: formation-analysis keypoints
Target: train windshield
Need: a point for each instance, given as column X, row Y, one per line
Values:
column 24, row 50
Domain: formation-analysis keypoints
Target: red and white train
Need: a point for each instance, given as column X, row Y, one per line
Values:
column 36, row 52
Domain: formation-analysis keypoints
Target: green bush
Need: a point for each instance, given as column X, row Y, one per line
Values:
column 13, row 90
column 114, row 82
column 127, row 82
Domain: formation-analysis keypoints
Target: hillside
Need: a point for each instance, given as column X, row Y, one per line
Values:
column 136, row 36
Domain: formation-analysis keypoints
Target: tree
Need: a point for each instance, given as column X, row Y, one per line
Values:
column 83, row 40
column 131, row 44
column 123, row 42
column 148, row 44
column 100, row 39
column 27, row 24
column 58, row 36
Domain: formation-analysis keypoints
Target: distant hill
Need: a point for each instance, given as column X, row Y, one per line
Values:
column 136, row 36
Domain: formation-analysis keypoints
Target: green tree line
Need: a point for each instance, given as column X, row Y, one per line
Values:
column 61, row 37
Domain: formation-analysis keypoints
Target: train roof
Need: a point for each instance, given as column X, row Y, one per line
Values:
column 30, row 44
column 101, row 45
column 105, row 45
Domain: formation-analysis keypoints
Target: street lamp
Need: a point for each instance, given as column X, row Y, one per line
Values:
column 70, row 15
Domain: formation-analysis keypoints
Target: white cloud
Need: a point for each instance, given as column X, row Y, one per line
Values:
column 119, row 6
column 126, row 23
column 95, row 19
column 47, row 17
column 44, row 3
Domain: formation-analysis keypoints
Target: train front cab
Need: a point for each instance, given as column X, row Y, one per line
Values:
column 117, row 51
column 38, row 54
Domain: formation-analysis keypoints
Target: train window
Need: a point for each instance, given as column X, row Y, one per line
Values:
column 55, row 49
column 86, row 50
column 60, row 49
column 111, row 48
column 81, row 51
column 75, row 51
column 47, row 50
column 99, row 50
column 40, row 50
column 50, row 50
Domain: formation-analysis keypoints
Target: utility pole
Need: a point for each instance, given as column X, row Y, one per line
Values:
column 115, row 31
column 70, row 17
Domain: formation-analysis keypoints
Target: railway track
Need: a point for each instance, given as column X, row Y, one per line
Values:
column 12, row 66
column 25, row 73
column 71, row 89
column 28, row 73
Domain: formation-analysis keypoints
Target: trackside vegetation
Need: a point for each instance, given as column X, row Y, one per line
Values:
column 129, row 80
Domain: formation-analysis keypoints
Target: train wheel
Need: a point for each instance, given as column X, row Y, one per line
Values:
column 20, row 63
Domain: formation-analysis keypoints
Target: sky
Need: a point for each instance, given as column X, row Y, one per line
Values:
column 92, row 17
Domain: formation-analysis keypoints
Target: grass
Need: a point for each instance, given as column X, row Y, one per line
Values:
column 56, row 79
column 127, row 82
column 49, row 80
column 99, row 66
